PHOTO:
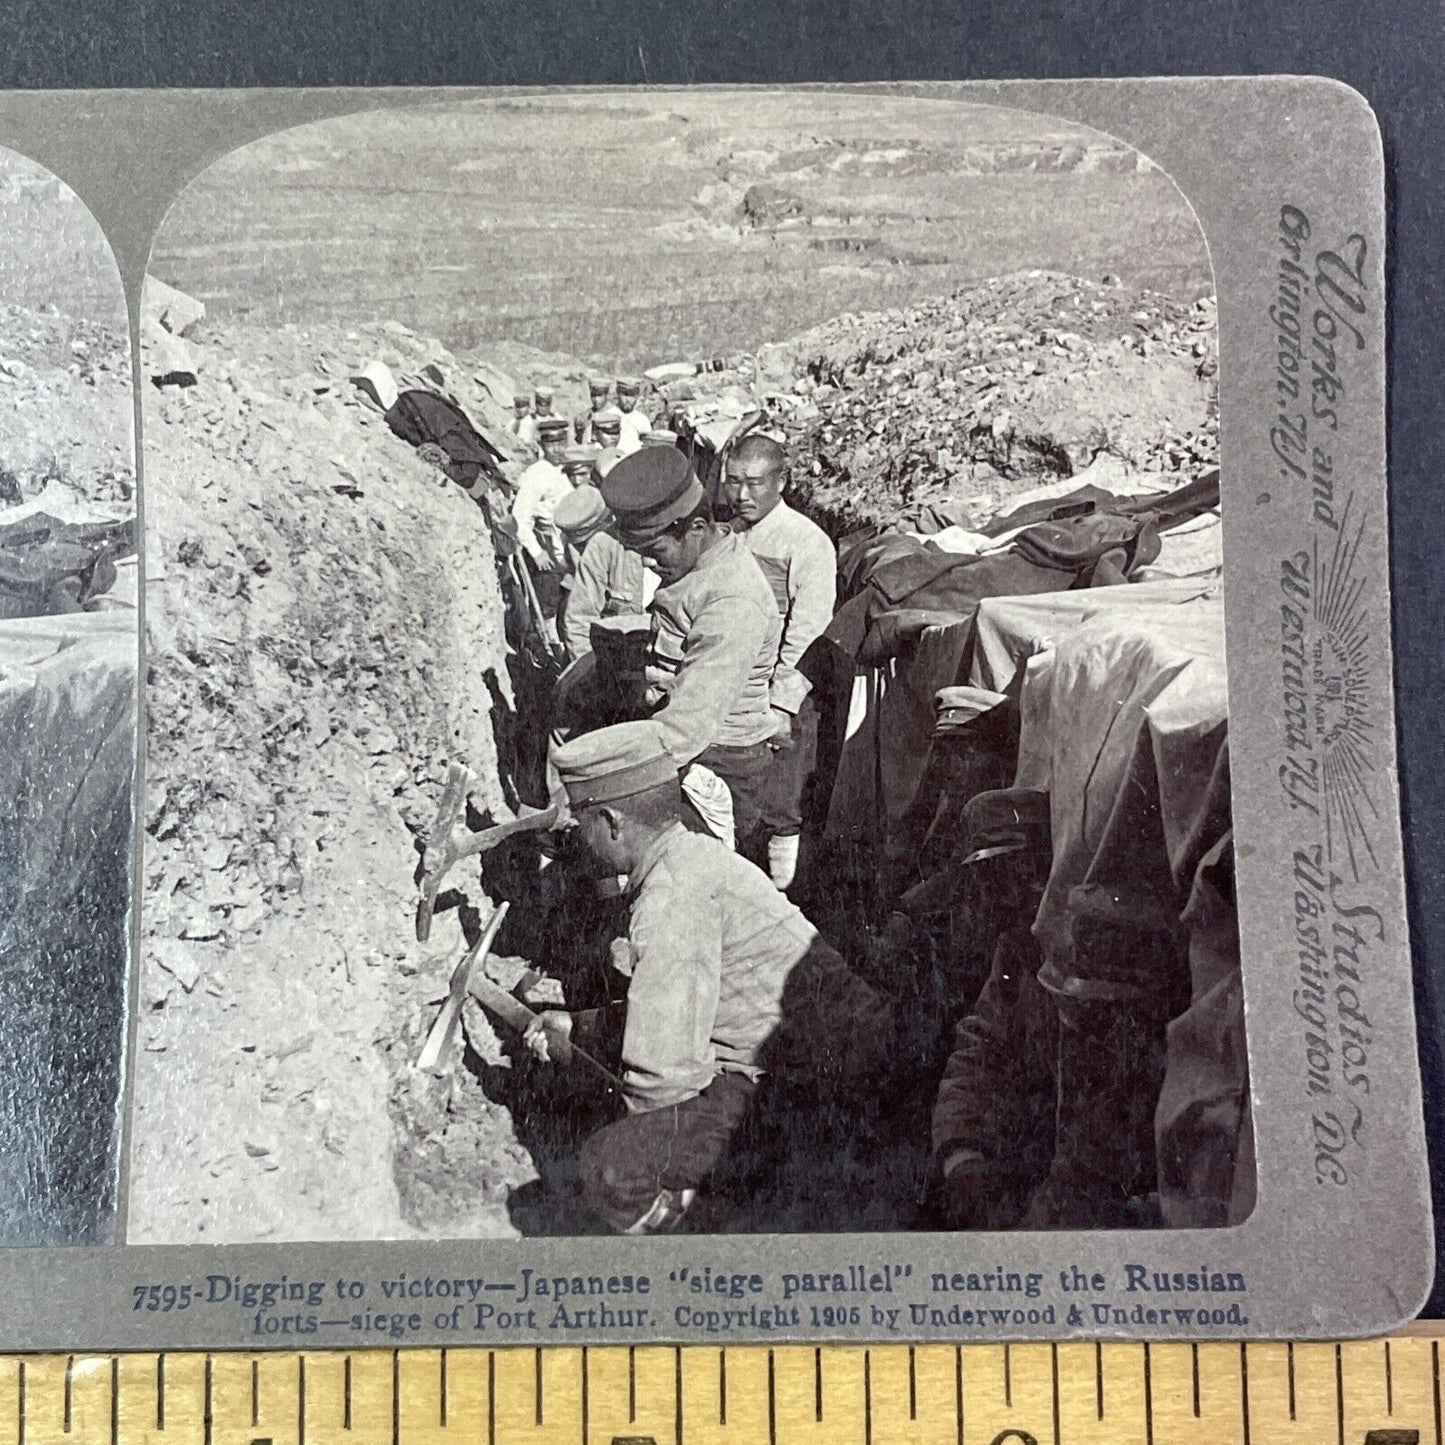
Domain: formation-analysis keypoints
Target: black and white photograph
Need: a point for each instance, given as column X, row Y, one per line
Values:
column 686, row 683
column 69, row 643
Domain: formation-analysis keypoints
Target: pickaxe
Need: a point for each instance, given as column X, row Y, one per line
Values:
column 444, row 847
column 444, row 1029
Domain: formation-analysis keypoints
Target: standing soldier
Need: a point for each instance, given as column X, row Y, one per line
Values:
column 715, row 626
column 635, row 421
column 540, row 487
column 542, row 399
column 801, row 565
column 607, row 580
column 524, row 424
column 607, row 429
column 577, row 464
column 598, row 390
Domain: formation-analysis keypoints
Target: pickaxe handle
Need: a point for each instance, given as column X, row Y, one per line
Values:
column 450, row 851
column 516, row 1015
column 444, row 1030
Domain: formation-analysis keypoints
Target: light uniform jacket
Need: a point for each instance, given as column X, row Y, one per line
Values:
column 634, row 424
column 714, row 645
column 801, row 565
column 728, row 976
column 609, row 581
column 540, row 487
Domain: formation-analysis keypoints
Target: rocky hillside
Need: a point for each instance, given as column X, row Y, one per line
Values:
column 65, row 409
column 976, row 396
column 324, row 624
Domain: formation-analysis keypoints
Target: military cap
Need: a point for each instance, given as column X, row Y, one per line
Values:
column 551, row 427
column 1005, row 820
column 659, row 437
column 543, row 395
column 650, row 490
column 607, row 421
column 613, row 762
column 599, row 386
column 956, row 707
column 581, row 510
column 522, row 403
column 579, row 459
column 628, row 386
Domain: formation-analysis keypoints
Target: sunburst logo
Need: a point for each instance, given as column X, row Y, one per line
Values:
column 1341, row 698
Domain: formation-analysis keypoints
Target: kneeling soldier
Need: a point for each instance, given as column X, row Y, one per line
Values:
column 727, row 979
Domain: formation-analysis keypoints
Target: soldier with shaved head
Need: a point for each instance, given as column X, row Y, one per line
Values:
column 801, row 566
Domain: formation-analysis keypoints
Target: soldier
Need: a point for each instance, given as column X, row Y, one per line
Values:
column 801, row 564
column 607, row 580
column 542, row 400
column 599, row 388
column 715, row 625
column 524, row 424
column 659, row 437
column 607, row 430
column 540, row 487
column 727, row 981
column 635, row 421
column 577, row 464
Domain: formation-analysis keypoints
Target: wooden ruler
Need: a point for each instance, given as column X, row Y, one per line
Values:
column 1378, row 1392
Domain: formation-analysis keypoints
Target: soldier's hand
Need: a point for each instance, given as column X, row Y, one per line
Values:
column 782, row 736
column 549, row 1036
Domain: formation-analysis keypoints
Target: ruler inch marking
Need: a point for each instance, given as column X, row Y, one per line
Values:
column 1435, row 1388
column 584, row 1392
column 1389, row 1382
column 1148, row 1396
column 631, row 1384
column 958, row 1389
column 867, row 1397
column 69, row 1384
column 396, row 1397
column 722, row 1387
column 1098, row 1380
column 1008, row 1377
column 491, row 1397
column 115, row 1400
column 817, row 1383
column 255, row 1393
column 1054, row 1367
column 1194, row 1371
column 677, row 1395
column 772, row 1406
column 346, row 1393
column 912, row 1384
column 1340, row 1393
column 20, row 1403
column 1244, row 1393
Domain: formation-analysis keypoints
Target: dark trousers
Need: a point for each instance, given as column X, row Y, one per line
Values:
column 788, row 775
column 626, row 1165
column 746, row 771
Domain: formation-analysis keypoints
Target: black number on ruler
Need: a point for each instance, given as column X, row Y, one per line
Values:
column 1392, row 1437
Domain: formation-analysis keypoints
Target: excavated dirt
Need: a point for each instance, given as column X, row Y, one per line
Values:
column 977, row 396
column 54, row 369
column 324, row 624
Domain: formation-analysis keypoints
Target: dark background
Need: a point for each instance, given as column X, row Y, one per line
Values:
column 1393, row 56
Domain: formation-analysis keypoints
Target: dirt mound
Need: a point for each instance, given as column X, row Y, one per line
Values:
column 53, row 370
column 325, row 633
column 982, row 394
